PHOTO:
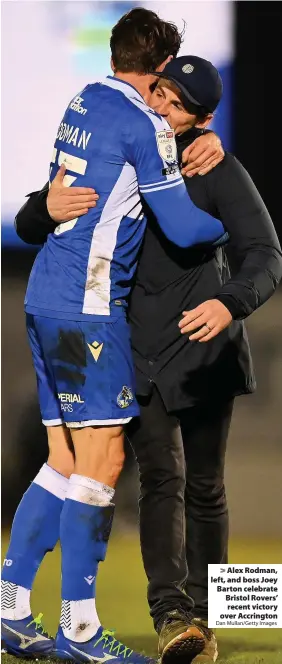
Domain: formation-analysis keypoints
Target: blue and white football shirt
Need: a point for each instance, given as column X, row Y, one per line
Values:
column 111, row 140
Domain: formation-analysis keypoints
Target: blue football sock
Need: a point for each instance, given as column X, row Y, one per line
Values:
column 84, row 534
column 35, row 531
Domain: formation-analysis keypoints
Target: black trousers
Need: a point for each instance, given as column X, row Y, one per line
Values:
column 183, row 509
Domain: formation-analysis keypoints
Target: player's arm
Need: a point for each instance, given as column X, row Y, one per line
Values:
column 152, row 151
column 46, row 208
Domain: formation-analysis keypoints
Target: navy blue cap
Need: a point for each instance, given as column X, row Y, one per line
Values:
column 198, row 80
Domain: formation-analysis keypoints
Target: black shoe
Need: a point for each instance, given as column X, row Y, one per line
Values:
column 180, row 639
column 210, row 653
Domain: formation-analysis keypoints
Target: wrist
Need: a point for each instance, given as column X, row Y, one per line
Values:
column 230, row 303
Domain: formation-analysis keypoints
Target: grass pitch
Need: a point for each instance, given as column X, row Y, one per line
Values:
column 122, row 601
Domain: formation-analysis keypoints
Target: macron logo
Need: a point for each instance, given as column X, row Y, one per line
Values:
column 89, row 579
column 76, row 106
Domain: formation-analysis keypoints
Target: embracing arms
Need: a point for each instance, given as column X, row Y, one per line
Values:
column 46, row 208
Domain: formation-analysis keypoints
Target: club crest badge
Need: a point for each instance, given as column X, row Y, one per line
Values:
column 125, row 397
column 187, row 69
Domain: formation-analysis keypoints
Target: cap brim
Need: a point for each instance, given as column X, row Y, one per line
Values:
column 181, row 87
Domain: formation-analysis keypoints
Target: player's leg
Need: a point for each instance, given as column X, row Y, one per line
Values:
column 158, row 446
column 60, row 450
column 35, row 529
column 205, row 441
column 93, row 372
column 36, row 524
column 85, row 528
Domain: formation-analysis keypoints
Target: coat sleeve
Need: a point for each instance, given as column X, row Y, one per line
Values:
column 33, row 222
column 253, row 238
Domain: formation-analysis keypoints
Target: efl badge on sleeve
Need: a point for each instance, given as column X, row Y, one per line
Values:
column 166, row 145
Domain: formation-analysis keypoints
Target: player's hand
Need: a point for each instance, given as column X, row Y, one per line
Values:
column 66, row 203
column 209, row 319
column 202, row 155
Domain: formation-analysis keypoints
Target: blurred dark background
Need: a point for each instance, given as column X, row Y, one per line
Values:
column 256, row 109
column 255, row 450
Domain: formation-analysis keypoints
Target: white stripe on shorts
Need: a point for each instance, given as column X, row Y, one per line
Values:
column 97, row 423
column 52, row 423
column 86, row 423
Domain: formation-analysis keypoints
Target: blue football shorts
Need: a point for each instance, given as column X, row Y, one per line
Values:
column 84, row 371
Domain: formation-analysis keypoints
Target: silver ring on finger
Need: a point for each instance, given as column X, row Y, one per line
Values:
column 209, row 328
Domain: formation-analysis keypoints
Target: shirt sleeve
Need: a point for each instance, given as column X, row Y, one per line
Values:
column 153, row 153
column 33, row 222
column 253, row 239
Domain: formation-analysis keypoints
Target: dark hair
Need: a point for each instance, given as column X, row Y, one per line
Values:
column 200, row 112
column 141, row 41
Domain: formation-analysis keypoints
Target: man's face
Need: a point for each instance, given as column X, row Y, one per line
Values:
column 167, row 102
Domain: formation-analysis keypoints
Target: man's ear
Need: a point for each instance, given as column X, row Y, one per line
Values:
column 204, row 123
column 163, row 65
column 113, row 66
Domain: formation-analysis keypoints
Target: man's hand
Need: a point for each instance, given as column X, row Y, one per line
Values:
column 202, row 155
column 211, row 317
column 66, row 203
